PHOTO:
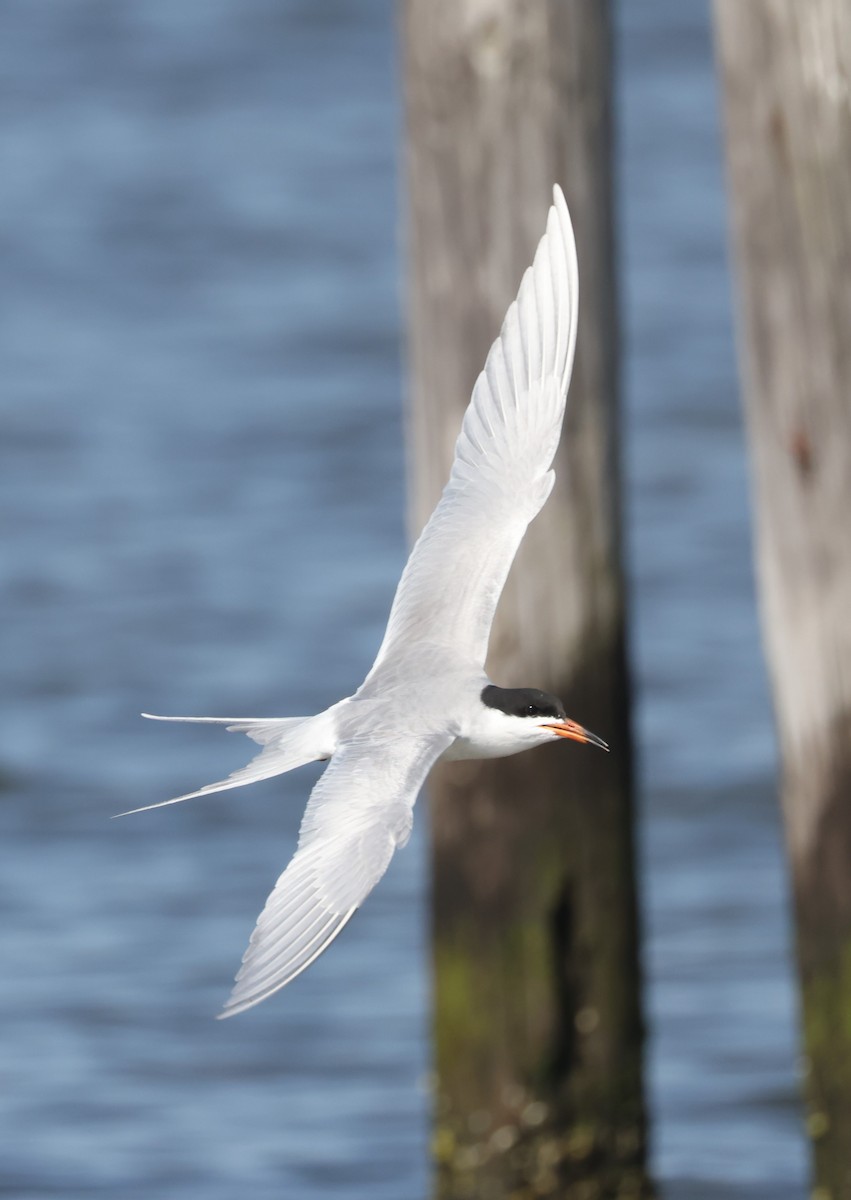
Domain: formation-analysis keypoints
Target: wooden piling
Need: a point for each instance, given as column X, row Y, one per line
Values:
column 786, row 70
column 536, row 988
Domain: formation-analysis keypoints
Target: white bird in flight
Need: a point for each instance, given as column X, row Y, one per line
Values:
column 427, row 696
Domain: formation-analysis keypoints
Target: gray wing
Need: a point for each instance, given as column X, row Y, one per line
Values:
column 358, row 813
column 501, row 474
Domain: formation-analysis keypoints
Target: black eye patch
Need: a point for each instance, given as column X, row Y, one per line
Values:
column 523, row 702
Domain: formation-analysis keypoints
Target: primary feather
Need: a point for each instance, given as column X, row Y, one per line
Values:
column 356, row 817
column 501, row 474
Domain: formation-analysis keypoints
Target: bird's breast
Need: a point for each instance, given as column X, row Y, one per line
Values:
column 479, row 746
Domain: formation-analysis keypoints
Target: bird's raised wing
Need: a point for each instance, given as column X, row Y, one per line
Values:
column 358, row 813
column 501, row 474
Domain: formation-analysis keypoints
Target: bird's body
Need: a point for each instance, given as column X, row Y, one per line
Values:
column 427, row 695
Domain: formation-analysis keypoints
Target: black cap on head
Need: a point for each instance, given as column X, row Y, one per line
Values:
column 523, row 702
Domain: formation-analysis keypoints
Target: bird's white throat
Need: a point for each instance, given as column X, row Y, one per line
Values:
column 495, row 734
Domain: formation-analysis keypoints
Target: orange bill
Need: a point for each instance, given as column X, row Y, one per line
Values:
column 570, row 729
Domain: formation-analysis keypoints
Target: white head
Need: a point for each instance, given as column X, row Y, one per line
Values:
column 516, row 719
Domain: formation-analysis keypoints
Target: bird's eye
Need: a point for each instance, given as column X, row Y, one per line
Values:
column 532, row 711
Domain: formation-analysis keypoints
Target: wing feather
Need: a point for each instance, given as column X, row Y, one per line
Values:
column 358, row 813
column 501, row 475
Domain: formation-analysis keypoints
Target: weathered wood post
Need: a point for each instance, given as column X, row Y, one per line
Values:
column 537, row 1011
column 787, row 73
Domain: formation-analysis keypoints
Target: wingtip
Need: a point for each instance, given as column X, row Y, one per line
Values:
column 562, row 210
column 559, row 202
column 232, row 1008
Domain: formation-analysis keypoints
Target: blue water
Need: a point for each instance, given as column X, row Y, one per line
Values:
column 201, row 487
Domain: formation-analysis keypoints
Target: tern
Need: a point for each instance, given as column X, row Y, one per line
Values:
column 427, row 696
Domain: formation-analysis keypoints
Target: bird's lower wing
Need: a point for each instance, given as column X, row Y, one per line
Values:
column 501, row 474
column 358, row 813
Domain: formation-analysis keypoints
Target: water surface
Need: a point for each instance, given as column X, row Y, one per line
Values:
column 202, row 496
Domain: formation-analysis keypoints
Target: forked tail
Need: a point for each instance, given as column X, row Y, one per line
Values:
column 288, row 742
